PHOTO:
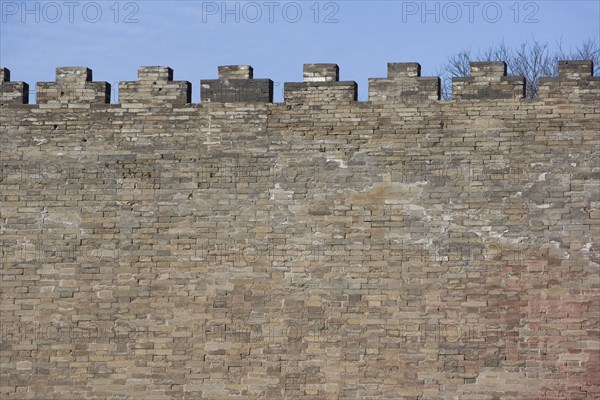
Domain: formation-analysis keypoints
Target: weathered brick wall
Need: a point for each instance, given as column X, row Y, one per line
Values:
column 321, row 248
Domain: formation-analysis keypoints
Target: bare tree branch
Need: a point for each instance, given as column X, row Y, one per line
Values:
column 532, row 60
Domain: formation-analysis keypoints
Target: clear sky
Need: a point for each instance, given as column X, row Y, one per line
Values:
column 113, row 37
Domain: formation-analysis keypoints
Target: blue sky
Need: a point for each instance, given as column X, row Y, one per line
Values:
column 113, row 37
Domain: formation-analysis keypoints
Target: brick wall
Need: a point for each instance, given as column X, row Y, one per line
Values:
column 320, row 248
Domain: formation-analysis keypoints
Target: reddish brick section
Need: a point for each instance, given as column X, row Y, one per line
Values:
column 320, row 248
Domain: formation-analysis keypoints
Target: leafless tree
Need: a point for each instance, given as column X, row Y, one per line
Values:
column 532, row 60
